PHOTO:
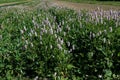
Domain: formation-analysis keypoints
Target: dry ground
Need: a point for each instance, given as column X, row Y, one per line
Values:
column 79, row 6
column 71, row 5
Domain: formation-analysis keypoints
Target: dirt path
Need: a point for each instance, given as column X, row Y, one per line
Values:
column 82, row 6
column 59, row 3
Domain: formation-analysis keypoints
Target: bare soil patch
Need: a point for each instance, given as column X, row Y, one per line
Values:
column 83, row 6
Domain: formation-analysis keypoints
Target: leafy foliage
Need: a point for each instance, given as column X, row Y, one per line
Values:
column 59, row 44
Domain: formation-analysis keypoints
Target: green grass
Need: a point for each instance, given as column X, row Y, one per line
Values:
column 8, row 1
column 114, row 3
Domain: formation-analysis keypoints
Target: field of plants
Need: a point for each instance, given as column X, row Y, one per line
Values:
column 59, row 44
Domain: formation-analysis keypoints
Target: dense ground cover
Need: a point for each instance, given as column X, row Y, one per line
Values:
column 7, row 1
column 59, row 44
column 114, row 3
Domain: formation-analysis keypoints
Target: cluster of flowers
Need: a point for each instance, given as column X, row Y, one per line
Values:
column 49, row 26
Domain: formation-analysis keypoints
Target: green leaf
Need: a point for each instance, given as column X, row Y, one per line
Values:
column 70, row 66
column 119, row 54
column 2, row 65
column 90, row 55
column 108, row 73
column 109, row 64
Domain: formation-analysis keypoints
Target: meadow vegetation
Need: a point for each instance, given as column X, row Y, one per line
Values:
column 59, row 44
column 8, row 1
